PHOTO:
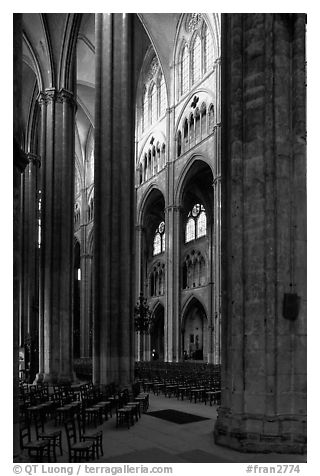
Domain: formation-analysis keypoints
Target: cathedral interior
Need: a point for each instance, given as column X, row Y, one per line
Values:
column 159, row 214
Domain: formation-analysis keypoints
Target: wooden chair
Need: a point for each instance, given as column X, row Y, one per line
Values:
column 36, row 448
column 106, row 408
column 54, row 437
column 96, row 437
column 78, row 450
column 136, row 409
column 124, row 416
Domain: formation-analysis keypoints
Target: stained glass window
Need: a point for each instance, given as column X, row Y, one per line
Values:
column 153, row 96
column 145, row 110
column 208, row 50
column 184, row 71
column 157, row 244
column 190, row 230
column 196, row 60
column 162, row 96
column 201, row 225
column 196, row 225
column 159, row 241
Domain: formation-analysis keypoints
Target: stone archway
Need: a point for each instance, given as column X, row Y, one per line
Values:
column 194, row 331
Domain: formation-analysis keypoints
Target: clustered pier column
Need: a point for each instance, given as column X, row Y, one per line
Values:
column 57, row 209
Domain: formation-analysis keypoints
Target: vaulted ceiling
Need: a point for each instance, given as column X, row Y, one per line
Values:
column 47, row 42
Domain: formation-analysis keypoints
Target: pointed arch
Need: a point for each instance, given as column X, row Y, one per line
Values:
column 185, row 172
column 191, row 301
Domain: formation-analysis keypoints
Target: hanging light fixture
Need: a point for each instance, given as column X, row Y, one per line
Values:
column 142, row 316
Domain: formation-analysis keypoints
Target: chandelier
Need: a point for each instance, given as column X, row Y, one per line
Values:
column 142, row 316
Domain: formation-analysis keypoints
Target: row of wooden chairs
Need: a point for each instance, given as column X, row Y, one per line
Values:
column 202, row 391
column 130, row 411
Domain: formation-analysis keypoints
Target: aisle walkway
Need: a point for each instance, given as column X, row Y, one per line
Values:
column 153, row 440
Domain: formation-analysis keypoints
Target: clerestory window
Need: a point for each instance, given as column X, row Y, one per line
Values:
column 159, row 240
column 196, row 225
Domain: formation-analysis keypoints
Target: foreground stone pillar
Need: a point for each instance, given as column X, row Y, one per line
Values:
column 263, row 404
column 139, row 287
column 57, row 157
column 113, row 355
column 30, row 313
column 20, row 162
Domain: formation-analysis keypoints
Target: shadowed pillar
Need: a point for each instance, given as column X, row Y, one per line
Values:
column 20, row 162
column 263, row 404
column 57, row 157
column 113, row 357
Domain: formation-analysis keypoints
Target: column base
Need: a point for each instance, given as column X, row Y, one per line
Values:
column 284, row 434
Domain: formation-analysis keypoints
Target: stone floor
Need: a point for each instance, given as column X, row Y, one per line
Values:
column 153, row 440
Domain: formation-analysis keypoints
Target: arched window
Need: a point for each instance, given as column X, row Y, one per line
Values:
column 203, row 120
column 157, row 244
column 197, row 125
column 185, row 135
column 154, row 161
column 145, row 165
column 159, row 240
column 201, row 224
column 158, row 157
column 191, row 122
column 210, row 119
column 196, row 225
column 149, row 165
column 207, row 49
column 140, row 174
column 162, row 96
column 179, row 144
column 196, row 60
column 153, row 100
column 190, row 230
column 163, row 156
column 184, row 70
column 145, row 121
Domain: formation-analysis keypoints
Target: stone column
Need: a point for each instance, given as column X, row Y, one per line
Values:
column 114, row 201
column 263, row 404
column 173, row 287
column 139, row 286
column 85, row 292
column 57, row 154
column 30, row 316
column 20, row 161
column 216, row 310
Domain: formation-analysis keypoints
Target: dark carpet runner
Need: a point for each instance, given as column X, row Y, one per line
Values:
column 176, row 417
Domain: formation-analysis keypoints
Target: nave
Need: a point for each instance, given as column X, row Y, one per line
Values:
column 155, row 440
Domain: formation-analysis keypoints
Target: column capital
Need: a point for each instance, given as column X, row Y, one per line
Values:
column 55, row 95
column 34, row 159
column 66, row 96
